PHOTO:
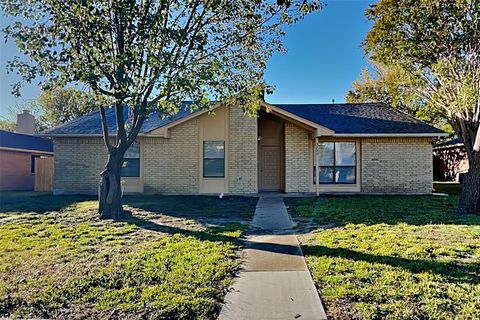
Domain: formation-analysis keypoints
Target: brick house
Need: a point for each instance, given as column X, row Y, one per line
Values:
column 19, row 152
column 370, row 148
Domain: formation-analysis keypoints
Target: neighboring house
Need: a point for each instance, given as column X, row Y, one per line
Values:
column 362, row 148
column 18, row 154
column 450, row 160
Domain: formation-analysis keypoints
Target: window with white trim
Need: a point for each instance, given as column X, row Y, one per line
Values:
column 337, row 163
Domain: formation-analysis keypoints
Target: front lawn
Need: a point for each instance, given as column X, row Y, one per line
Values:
column 173, row 259
column 392, row 257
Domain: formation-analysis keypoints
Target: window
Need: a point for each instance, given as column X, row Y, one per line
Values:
column 214, row 159
column 337, row 163
column 32, row 163
column 131, row 161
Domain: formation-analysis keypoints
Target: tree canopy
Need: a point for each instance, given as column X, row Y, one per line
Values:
column 150, row 55
column 437, row 41
column 7, row 125
column 60, row 105
column 399, row 88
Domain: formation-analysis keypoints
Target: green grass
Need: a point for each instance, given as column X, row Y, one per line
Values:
column 447, row 187
column 393, row 257
column 57, row 259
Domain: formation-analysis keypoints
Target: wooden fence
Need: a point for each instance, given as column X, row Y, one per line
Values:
column 44, row 174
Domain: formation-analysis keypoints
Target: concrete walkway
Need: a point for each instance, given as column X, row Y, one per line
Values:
column 274, row 282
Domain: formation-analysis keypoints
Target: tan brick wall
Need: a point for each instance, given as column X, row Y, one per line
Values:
column 242, row 166
column 297, row 164
column 78, row 163
column 172, row 165
column 397, row 165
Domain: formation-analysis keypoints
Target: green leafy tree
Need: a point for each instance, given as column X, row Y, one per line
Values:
column 7, row 125
column 60, row 105
column 150, row 55
column 399, row 88
column 439, row 41
column 29, row 105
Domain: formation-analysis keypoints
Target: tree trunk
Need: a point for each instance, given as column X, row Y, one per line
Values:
column 470, row 195
column 110, row 190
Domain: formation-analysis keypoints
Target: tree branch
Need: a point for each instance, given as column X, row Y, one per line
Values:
column 121, row 133
column 106, row 137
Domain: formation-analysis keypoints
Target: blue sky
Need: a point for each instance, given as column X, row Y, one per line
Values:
column 323, row 58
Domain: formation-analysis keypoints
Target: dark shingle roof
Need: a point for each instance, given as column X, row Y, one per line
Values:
column 449, row 143
column 360, row 118
column 24, row 141
column 92, row 123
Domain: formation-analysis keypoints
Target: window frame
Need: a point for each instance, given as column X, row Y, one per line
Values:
column 204, row 158
column 33, row 169
column 334, row 166
column 135, row 159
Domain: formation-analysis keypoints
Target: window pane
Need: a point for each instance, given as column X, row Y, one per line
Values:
column 133, row 151
column 131, row 168
column 213, row 149
column 32, row 163
column 345, row 153
column 345, row 175
column 213, row 168
column 326, row 154
column 326, row 174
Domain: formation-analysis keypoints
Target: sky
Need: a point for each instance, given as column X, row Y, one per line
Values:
column 323, row 58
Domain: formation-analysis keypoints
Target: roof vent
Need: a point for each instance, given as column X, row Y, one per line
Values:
column 333, row 101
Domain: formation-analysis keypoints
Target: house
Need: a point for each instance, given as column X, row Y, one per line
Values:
column 19, row 154
column 368, row 148
column 450, row 160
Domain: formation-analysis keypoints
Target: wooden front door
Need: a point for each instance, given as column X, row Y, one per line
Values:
column 271, row 168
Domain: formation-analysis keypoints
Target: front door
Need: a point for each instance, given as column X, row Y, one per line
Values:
column 271, row 168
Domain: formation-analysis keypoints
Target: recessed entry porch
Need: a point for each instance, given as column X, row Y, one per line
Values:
column 271, row 152
column 296, row 156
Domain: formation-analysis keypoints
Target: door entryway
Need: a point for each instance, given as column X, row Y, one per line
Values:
column 271, row 170
column 271, row 137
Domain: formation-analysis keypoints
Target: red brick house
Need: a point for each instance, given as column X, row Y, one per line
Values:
column 18, row 153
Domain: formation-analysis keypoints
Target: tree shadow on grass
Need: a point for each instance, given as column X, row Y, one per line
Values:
column 369, row 210
column 31, row 202
column 212, row 234
column 203, row 210
column 454, row 272
column 235, row 207
column 216, row 234
column 188, row 207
